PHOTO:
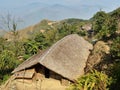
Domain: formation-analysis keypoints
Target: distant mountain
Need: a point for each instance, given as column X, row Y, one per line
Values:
column 54, row 12
column 32, row 13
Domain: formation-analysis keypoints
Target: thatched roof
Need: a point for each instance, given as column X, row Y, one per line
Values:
column 67, row 57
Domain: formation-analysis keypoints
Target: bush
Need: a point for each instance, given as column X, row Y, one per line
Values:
column 115, row 48
column 8, row 62
column 92, row 81
column 115, row 73
column 5, row 78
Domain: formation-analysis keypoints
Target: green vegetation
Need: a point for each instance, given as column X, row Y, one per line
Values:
column 105, row 27
column 92, row 81
column 115, row 48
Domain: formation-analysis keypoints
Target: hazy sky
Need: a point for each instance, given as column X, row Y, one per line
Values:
column 108, row 5
column 85, row 8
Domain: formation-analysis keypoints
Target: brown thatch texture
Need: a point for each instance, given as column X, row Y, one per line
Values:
column 67, row 57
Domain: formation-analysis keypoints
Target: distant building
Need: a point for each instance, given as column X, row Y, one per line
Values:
column 86, row 27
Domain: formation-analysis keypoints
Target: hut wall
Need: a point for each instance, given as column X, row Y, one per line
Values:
column 65, row 82
column 25, row 74
column 37, row 73
column 40, row 75
column 41, row 71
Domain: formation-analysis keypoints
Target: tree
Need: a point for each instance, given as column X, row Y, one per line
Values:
column 66, row 29
column 100, row 27
column 104, row 25
column 116, row 14
column 42, row 41
column 52, row 36
column 10, row 24
column 9, row 50
column 8, row 62
column 115, row 48
column 31, row 47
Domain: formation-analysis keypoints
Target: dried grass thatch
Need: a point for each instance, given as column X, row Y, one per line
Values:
column 67, row 57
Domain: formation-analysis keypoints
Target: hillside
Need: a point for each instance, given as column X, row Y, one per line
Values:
column 102, row 68
column 28, row 32
column 2, row 33
column 43, row 26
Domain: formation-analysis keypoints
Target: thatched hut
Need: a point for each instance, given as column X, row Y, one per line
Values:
column 65, row 60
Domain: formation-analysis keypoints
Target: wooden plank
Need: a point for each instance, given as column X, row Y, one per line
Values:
column 28, row 74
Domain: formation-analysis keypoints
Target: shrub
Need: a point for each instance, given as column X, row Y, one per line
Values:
column 115, row 48
column 92, row 81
